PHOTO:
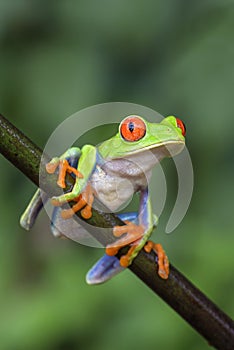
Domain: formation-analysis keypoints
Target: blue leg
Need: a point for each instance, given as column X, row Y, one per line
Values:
column 30, row 214
column 108, row 266
column 148, row 221
column 73, row 162
column 135, row 234
column 55, row 222
column 131, row 216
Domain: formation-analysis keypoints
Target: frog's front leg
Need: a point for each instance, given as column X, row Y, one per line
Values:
column 86, row 166
column 67, row 163
column 70, row 158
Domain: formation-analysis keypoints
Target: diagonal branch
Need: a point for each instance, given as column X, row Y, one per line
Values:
column 189, row 302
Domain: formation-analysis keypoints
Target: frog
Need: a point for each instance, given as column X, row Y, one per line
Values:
column 114, row 171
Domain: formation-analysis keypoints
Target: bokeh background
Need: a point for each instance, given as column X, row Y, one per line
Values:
column 56, row 58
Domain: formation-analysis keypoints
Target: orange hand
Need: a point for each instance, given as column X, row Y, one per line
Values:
column 64, row 168
column 51, row 167
column 84, row 202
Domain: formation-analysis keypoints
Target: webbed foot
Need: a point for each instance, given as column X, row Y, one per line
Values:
column 133, row 233
column 163, row 262
column 83, row 200
column 84, row 203
column 64, row 168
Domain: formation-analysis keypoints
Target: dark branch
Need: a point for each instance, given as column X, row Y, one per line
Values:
column 190, row 303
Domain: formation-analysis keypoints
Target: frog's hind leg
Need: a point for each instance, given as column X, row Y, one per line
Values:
column 30, row 214
column 55, row 222
column 109, row 266
column 129, row 233
column 106, row 268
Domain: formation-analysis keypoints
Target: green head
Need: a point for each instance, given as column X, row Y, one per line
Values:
column 136, row 135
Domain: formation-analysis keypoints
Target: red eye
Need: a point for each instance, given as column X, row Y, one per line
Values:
column 132, row 128
column 181, row 125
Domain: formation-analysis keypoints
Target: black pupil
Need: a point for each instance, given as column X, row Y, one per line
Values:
column 131, row 126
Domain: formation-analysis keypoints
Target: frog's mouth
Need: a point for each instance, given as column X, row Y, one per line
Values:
column 160, row 150
column 139, row 162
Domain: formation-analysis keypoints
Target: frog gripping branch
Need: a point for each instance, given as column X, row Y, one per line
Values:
column 130, row 155
column 215, row 326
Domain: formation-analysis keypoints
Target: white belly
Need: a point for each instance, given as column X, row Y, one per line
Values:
column 113, row 189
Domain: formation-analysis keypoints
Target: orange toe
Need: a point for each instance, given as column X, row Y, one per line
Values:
column 124, row 261
column 112, row 250
column 51, row 167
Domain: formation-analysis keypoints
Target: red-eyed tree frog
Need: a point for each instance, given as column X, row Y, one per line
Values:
column 113, row 171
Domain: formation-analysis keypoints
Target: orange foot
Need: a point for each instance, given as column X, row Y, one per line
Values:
column 133, row 233
column 125, row 260
column 64, row 168
column 163, row 263
column 84, row 203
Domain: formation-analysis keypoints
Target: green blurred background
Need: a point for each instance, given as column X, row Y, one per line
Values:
column 57, row 57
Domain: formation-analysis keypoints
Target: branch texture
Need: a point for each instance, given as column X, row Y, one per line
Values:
column 189, row 302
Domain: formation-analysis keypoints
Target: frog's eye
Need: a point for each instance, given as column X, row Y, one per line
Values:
column 181, row 125
column 132, row 128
